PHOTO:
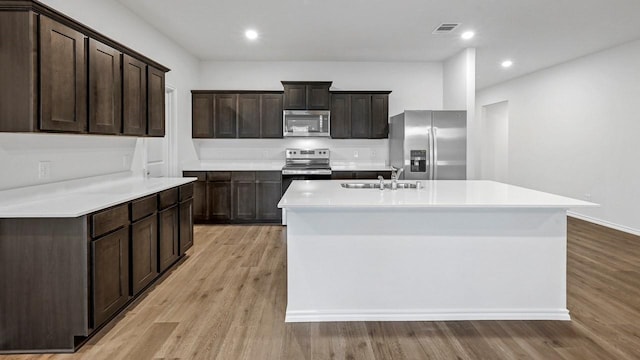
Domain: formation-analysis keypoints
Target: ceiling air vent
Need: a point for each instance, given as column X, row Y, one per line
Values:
column 445, row 28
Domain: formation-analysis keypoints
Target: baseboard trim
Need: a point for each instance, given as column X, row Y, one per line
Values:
column 604, row 223
column 428, row 315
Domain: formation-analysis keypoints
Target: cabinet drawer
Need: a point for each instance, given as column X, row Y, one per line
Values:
column 218, row 175
column 243, row 175
column 108, row 220
column 167, row 198
column 201, row 175
column 268, row 175
column 143, row 207
column 186, row 192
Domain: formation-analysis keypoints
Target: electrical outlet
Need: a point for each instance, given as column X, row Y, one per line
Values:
column 587, row 196
column 355, row 154
column 44, row 170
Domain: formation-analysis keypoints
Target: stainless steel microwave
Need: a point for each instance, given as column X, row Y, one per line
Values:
column 306, row 123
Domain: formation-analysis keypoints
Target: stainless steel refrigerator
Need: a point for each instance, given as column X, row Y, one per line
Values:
column 429, row 145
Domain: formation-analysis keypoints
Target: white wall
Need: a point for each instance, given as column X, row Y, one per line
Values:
column 414, row 86
column 75, row 156
column 574, row 130
column 459, row 90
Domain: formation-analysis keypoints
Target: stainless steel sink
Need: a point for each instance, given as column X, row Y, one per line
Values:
column 387, row 185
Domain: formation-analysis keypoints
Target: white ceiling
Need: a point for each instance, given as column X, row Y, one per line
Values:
column 534, row 33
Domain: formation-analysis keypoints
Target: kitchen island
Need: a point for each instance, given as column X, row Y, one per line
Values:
column 450, row 250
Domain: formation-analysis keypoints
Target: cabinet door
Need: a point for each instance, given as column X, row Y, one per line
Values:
column 379, row 116
column 249, row 115
column 219, row 200
column 63, row 78
column 105, row 89
column 343, row 175
column 318, row 97
column 243, row 202
column 109, row 274
column 366, row 174
column 134, row 96
column 225, row 115
column 186, row 225
column 271, row 116
column 202, row 116
column 155, row 101
column 360, row 116
column 144, row 252
column 295, row 96
column 168, row 238
column 200, row 201
column 340, row 116
column 268, row 194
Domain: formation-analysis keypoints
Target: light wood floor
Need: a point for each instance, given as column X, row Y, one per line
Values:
column 227, row 301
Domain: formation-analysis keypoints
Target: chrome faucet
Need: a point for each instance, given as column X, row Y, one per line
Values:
column 395, row 175
column 381, row 179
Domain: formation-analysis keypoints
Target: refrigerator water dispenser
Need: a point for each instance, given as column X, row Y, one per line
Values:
column 418, row 160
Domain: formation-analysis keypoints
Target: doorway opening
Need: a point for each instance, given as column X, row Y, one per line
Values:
column 494, row 142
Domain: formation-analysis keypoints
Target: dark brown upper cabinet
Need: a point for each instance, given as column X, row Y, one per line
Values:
column 360, row 114
column 249, row 115
column 155, row 102
column 236, row 114
column 59, row 75
column 134, row 96
column 340, row 116
column 271, row 108
column 202, row 115
column 105, row 89
column 379, row 116
column 306, row 95
column 63, row 78
column 224, row 115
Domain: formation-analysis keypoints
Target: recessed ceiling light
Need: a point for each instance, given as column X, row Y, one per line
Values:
column 507, row 63
column 467, row 35
column 251, row 34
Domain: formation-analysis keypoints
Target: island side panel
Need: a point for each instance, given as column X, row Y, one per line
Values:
column 426, row 264
column 43, row 282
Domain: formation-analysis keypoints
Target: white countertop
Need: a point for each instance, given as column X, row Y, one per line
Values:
column 234, row 165
column 250, row 165
column 433, row 194
column 80, row 197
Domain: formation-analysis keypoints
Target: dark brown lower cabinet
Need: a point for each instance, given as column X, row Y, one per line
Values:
column 168, row 237
column 186, row 225
column 244, row 195
column 363, row 175
column 268, row 193
column 109, row 274
column 75, row 274
column 238, row 196
column 144, row 252
column 219, row 200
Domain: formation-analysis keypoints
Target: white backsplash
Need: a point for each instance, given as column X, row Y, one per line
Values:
column 350, row 151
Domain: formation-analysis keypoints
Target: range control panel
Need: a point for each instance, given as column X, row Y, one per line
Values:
column 307, row 154
column 418, row 160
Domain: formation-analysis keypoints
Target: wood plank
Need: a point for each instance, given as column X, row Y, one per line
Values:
column 228, row 302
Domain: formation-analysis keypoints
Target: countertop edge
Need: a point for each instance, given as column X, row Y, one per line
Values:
column 175, row 182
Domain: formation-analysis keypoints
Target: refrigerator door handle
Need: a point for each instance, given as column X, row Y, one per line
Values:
column 434, row 133
column 428, row 157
